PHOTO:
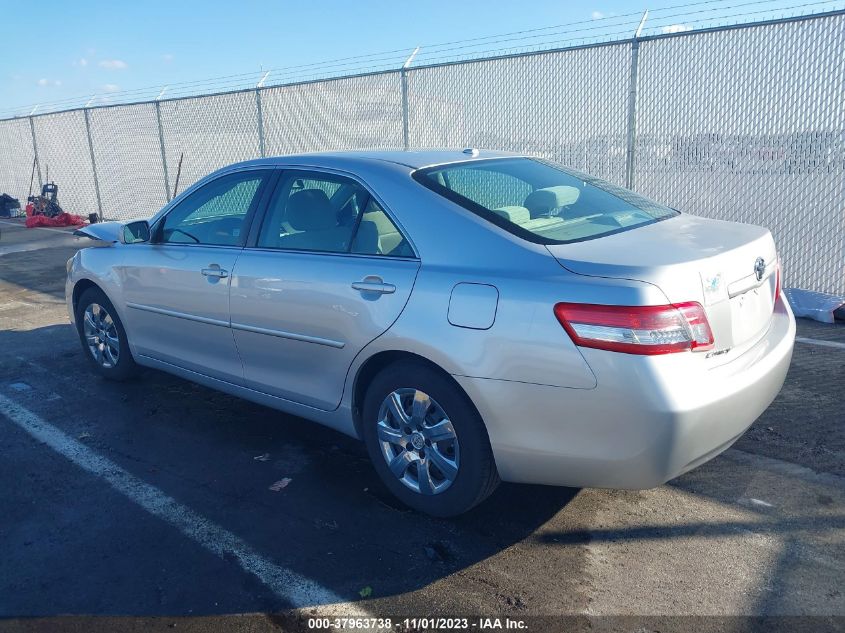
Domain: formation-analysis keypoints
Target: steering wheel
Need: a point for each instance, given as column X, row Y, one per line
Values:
column 185, row 233
column 228, row 225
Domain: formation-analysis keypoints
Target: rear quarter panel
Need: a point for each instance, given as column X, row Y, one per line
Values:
column 525, row 343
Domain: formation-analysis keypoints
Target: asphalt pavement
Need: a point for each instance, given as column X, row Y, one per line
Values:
column 160, row 504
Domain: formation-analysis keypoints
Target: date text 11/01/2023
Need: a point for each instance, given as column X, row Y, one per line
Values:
column 417, row 624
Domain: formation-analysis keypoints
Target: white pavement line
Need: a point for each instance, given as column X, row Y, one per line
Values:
column 815, row 341
column 297, row 590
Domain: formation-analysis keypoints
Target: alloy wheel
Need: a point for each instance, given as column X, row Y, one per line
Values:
column 418, row 441
column 101, row 335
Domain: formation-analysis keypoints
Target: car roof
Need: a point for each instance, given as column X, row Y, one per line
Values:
column 413, row 159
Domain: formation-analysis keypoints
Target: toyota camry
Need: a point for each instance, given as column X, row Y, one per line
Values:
column 472, row 316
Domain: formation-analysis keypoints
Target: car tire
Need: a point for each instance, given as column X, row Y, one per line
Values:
column 466, row 461
column 103, row 337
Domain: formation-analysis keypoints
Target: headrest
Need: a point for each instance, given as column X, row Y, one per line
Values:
column 380, row 220
column 367, row 239
column 310, row 210
column 545, row 200
column 517, row 215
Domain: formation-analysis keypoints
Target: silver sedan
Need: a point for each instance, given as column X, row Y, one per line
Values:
column 472, row 316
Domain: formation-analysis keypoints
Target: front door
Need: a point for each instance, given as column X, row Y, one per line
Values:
column 330, row 272
column 177, row 286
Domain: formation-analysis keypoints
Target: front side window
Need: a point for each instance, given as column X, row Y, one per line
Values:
column 331, row 214
column 215, row 213
column 541, row 202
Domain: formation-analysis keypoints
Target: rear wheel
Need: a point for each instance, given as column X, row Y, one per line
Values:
column 103, row 337
column 427, row 442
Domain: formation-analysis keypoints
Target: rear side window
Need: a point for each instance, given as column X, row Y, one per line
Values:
column 327, row 213
column 377, row 235
column 542, row 202
column 312, row 213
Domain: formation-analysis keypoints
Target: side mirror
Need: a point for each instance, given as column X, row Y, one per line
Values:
column 136, row 232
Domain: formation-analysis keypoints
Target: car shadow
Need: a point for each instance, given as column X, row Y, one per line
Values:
column 333, row 522
column 703, row 529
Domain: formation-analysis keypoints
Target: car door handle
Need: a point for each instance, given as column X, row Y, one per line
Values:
column 374, row 284
column 215, row 272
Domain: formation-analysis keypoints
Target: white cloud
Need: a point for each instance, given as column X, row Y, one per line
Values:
column 114, row 64
column 57, row 82
column 676, row 28
column 43, row 82
column 167, row 58
column 597, row 15
column 83, row 62
column 111, row 88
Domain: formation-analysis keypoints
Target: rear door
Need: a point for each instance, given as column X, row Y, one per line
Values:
column 176, row 287
column 328, row 271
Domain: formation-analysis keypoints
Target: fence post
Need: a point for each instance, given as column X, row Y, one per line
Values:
column 632, row 105
column 35, row 154
column 260, row 114
column 163, row 153
column 406, row 133
column 93, row 165
column 403, row 82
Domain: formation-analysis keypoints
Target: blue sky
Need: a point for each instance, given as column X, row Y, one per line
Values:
column 103, row 48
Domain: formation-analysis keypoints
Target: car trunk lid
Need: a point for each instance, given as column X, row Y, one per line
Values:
column 690, row 258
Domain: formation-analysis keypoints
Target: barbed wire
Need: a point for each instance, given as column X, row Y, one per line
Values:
column 551, row 43
column 611, row 28
column 404, row 51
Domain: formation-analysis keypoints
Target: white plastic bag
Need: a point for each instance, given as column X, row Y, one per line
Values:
column 813, row 305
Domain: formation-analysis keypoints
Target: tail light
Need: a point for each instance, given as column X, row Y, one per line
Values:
column 646, row 330
column 777, row 280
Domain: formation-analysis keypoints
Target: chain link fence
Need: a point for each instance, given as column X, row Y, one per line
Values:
column 741, row 123
column 127, row 153
column 346, row 113
column 749, row 125
column 571, row 107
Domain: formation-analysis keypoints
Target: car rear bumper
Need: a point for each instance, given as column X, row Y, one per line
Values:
column 648, row 420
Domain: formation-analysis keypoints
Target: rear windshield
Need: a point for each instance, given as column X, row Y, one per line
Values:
column 540, row 201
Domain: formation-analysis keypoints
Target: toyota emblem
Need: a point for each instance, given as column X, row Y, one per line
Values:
column 759, row 268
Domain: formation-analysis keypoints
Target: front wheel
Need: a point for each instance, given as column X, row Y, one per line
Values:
column 103, row 337
column 426, row 440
